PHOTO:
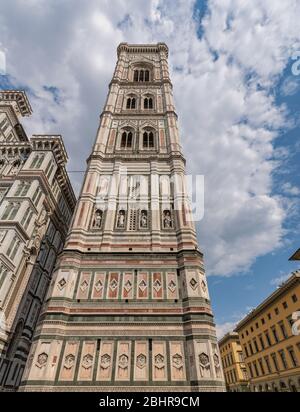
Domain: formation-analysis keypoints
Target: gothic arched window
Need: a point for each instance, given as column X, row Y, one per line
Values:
column 148, row 139
column 141, row 75
column 148, row 103
column 126, row 139
column 131, row 103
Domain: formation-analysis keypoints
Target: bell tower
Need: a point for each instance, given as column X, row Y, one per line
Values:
column 129, row 303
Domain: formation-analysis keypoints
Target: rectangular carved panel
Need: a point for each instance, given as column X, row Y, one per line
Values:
column 159, row 361
column 87, row 361
column 142, row 285
column 98, row 286
column 157, row 285
column 172, row 286
column 177, row 361
column 69, row 360
column 113, row 285
column 141, row 361
column 128, row 285
column 105, row 361
column 123, row 360
column 84, row 285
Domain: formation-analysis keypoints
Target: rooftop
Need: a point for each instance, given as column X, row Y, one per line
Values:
column 284, row 287
column 229, row 336
column 20, row 98
column 296, row 255
column 143, row 48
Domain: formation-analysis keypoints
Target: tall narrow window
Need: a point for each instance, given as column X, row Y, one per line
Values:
column 22, row 189
column 131, row 103
column 274, row 359
column 141, row 75
column 23, row 220
column 274, row 331
column 261, row 366
column 293, row 357
column 148, row 103
column 11, row 246
column 37, row 161
column 126, row 140
column 15, row 249
column 268, row 364
column 148, row 140
column 3, row 274
column 283, row 359
column 28, row 220
column 283, row 330
column 10, row 211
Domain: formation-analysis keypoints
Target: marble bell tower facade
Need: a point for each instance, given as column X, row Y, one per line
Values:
column 128, row 308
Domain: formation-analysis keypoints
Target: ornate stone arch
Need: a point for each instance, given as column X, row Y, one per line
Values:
column 141, row 71
column 148, row 137
column 131, row 100
column 126, row 137
column 148, row 100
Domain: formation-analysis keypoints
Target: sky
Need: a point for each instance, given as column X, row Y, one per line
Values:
column 234, row 67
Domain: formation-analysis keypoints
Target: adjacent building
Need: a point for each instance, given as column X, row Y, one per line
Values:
column 270, row 339
column 36, row 206
column 296, row 255
column 234, row 367
column 128, row 308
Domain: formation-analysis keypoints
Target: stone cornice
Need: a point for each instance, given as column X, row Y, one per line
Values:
column 136, row 157
column 142, row 48
column 19, row 97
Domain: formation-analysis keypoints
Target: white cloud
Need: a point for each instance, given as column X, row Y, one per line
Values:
column 289, row 189
column 279, row 279
column 224, row 328
column 228, row 115
column 290, row 86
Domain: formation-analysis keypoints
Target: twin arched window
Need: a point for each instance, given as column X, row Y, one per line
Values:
column 131, row 103
column 148, row 103
column 148, row 139
column 141, row 75
column 126, row 140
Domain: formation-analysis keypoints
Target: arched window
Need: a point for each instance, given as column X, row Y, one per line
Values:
column 126, row 140
column 141, row 75
column 148, row 103
column 148, row 140
column 131, row 103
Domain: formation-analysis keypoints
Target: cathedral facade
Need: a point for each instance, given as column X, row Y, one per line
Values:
column 128, row 308
column 36, row 206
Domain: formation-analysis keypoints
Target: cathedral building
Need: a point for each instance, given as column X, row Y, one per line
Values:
column 128, row 307
column 36, row 207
